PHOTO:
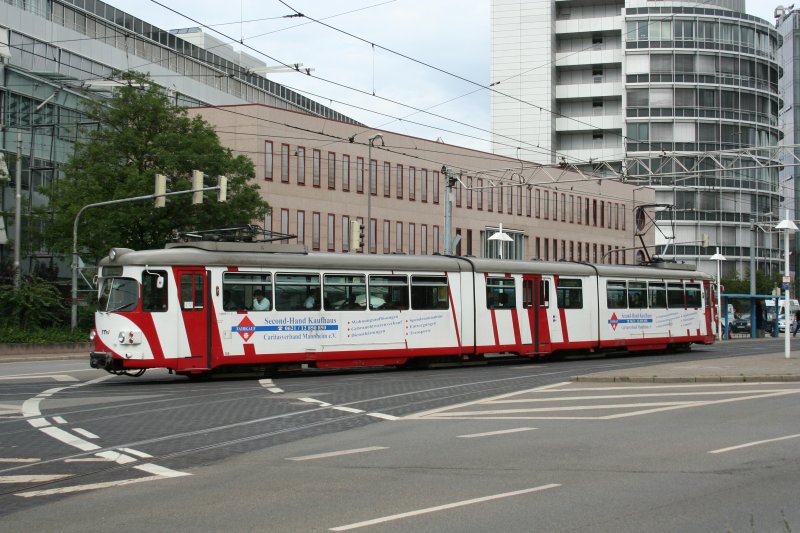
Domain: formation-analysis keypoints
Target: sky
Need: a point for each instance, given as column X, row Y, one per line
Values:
column 415, row 67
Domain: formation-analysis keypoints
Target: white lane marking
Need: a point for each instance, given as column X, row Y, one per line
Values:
column 31, row 410
column 70, row 439
column 54, row 377
column 621, row 396
column 442, row 507
column 59, row 420
column 87, row 460
column 755, row 443
column 428, row 414
column 491, row 433
column 384, row 416
column 38, row 422
column 336, row 454
column 136, row 452
column 78, row 488
column 31, row 479
column 19, row 459
column 117, row 457
column 270, row 386
column 318, row 402
column 154, row 469
column 85, row 433
column 347, row 409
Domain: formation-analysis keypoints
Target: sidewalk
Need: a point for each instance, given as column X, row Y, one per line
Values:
column 19, row 353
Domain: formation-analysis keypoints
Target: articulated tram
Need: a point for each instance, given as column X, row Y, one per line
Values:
column 205, row 307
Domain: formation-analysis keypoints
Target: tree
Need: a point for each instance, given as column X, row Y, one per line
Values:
column 141, row 134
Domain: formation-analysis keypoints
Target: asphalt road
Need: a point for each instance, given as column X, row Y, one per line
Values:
column 511, row 447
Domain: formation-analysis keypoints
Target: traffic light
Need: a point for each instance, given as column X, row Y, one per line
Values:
column 222, row 196
column 356, row 234
column 197, row 187
column 161, row 190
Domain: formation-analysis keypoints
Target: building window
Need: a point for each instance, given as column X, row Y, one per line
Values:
column 412, row 241
column 412, row 183
column 399, row 178
column 301, row 227
column 563, row 207
column 331, row 233
column 285, row 163
column 435, row 187
column 331, row 170
column 538, row 206
column 345, row 172
column 424, row 185
column 373, row 177
column 301, row 165
column 360, row 175
column 528, row 195
column 459, row 190
column 398, row 237
column 315, row 230
column 423, row 239
column 387, row 228
column 480, row 194
column 490, row 198
column 285, row 221
column 268, row 160
column 436, row 239
column 316, row 167
column 387, row 180
column 469, row 193
column 373, row 232
column 345, row 233
column 500, row 199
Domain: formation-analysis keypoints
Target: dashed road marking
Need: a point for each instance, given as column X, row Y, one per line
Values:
column 85, row 433
column 270, row 386
column 19, row 459
column 755, row 443
column 318, row 402
column 347, row 409
column 92, row 486
column 493, row 433
column 445, row 507
column 336, row 454
column 59, row 420
column 383, row 416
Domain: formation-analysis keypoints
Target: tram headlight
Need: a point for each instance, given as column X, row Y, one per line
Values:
column 121, row 337
column 92, row 334
column 112, row 254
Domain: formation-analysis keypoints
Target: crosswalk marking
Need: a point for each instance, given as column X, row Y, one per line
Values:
column 32, row 478
column 92, row 486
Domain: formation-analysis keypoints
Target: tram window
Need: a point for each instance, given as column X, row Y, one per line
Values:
column 637, row 295
column 297, row 292
column 544, row 293
column 527, row 293
column 388, row 292
column 616, row 295
column 429, row 292
column 239, row 291
column 657, row 295
column 675, row 298
column 154, row 298
column 693, row 296
column 569, row 293
column 346, row 292
column 118, row 294
column 192, row 293
column 500, row 293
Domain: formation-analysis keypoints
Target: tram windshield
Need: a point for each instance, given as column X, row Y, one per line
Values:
column 118, row 294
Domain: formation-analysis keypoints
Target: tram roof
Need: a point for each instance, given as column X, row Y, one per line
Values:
column 271, row 255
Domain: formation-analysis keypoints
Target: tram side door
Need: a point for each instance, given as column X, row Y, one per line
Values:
column 532, row 303
column 194, row 340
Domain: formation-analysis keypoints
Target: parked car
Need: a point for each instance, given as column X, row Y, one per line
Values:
column 741, row 324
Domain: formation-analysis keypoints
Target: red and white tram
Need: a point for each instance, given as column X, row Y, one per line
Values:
column 191, row 308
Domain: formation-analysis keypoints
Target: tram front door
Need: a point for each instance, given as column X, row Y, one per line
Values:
column 194, row 351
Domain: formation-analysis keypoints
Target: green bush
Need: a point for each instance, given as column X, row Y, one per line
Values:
column 43, row 336
column 35, row 304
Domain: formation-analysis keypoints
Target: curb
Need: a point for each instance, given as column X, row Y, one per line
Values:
column 20, row 349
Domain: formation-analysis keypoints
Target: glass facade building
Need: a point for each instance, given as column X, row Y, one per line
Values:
column 630, row 80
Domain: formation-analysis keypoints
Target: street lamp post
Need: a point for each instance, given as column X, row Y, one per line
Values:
column 718, row 257
column 788, row 227
column 502, row 238
column 369, row 188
